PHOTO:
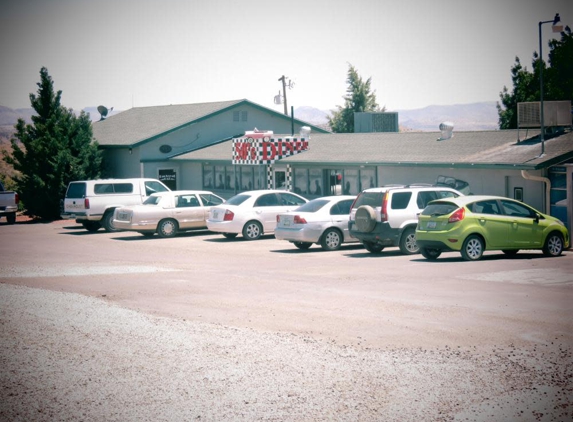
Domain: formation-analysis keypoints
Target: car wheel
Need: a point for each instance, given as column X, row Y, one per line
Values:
column 473, row 248
column 408, row 245
column 167, row 228
column 510, row 252
column 107, row 222
column 365, row 218
column 11, row 218
column 302, row 245
column 373, row 247
column 331, row 240
column 230, row 235
column 430, row 253
column 91, row 226
column 252, row 230
column 553, row 244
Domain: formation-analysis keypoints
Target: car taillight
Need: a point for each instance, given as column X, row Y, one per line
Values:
column 458, row 215
column 87, row 203
column 17, row 198
column 229, row 215
column 383, row 214
column 299, row 220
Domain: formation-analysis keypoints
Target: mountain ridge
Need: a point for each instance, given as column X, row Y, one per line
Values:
column 465, row 117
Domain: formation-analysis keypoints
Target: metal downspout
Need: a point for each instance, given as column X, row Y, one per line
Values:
column 547, row 182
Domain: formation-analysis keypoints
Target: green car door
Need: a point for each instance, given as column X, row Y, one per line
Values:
column 494, row 225
column 526, row 228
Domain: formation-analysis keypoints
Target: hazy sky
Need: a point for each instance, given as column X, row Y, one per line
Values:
column 136, row 53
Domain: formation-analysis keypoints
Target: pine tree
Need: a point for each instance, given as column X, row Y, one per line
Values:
column 358, row 99
column 557, row 80
column 55, row 149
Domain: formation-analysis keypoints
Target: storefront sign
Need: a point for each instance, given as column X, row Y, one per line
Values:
column 261, row 148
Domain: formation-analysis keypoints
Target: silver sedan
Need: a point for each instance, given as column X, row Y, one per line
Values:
column 167, row 213
column 322, row 221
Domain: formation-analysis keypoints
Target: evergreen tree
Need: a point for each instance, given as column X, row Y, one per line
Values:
column 52, row 151
column 557, row 80
column 358, row 99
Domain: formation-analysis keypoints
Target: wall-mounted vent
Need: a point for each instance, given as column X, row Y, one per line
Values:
column 376, row 122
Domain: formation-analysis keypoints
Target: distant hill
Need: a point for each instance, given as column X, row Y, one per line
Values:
column 466, row 117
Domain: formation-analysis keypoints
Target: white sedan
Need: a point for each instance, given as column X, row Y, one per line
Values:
column 167, row 213
column 323, row 221
column 252, row 213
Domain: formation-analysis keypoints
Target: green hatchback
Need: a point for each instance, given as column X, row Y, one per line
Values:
column 474, row 224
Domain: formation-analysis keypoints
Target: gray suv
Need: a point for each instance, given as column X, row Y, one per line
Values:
column 388, row 215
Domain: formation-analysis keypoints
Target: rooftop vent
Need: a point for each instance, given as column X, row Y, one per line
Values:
column 447, row 129
column 305, row 132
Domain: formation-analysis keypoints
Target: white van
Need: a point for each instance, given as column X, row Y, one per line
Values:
column 92, row 202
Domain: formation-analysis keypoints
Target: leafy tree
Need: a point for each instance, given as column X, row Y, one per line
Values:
column 358, row 98
column 52, row 151
column 557, row 80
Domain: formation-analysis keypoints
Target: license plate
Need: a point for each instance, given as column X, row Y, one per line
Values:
column 431, row 225
column 215, row 214
column 122, row 216
column 286, row 223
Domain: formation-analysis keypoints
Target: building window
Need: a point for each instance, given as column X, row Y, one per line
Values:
column 236, row 116
column 244, row 116
column 315, row 179
column 208, row 177
column 301, row 181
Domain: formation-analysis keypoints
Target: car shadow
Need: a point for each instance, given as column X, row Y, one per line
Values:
column 456, row 257
column 239, row 238
column 131, row 236
column 315, row 249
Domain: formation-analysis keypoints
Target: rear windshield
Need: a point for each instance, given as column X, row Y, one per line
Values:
column 76, row 190
column 374, row 199
column 440, row 208
column 152, row 200
column 238, row 199
column 152, row 186
column 313, row 206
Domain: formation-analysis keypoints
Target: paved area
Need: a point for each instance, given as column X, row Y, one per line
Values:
column 119, row 327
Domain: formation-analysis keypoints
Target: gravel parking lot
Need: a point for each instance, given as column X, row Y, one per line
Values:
column 123, row 328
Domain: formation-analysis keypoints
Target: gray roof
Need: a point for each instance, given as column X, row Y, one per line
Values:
column 479, row 149
column 142, row 124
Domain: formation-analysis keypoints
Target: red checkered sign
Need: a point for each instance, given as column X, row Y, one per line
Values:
column 262, row 148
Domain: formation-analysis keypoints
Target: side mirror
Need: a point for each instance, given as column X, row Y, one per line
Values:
column 537, row 217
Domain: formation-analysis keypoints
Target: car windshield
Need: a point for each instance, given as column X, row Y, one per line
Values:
column 238, row 199
column 440, row 208
column 312, row 206
column 152, row 200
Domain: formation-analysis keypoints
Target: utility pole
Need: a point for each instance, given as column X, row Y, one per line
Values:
column 283, row 79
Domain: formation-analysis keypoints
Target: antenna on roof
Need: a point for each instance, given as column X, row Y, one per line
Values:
column 103, row 111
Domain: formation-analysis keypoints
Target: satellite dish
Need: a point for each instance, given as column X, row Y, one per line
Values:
column 103, row 111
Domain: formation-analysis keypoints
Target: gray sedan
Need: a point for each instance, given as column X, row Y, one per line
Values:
column 322, row 221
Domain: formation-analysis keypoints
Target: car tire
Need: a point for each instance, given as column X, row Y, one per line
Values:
column 510, row 252
column 331, row 240
column 302, row 245
column 408, row 245
column 365, row 219
column 167, row 228
column 430, row 253
column 107, row 222
column 553, row 244
column 11, row 218
column 473, row 248
column 253, row 230
column 91, row 226
column 230, row 235
column 373, row 247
